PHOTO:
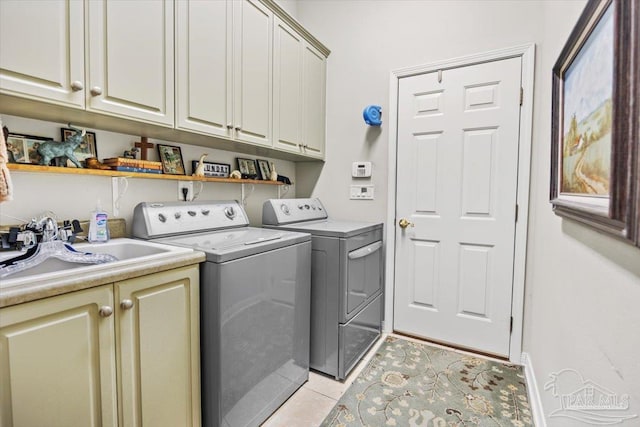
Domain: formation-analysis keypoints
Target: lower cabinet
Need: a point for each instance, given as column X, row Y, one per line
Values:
column 125, row 354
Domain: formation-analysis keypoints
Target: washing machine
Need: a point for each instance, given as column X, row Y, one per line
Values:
column 254, row 305
column 346, row 281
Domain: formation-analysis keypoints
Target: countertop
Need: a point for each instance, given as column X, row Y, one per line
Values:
column 34, row 291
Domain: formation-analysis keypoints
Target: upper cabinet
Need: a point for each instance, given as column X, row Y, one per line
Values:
column 223, row 67
column 43, row 60
column 204, row 70
column 243, row 70
column 130, row 67
column 128, row 60
column 299, row 93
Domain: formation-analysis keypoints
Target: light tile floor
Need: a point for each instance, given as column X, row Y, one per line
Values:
column 309, row 406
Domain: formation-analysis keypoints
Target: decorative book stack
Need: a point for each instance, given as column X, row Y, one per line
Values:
column 133, row 165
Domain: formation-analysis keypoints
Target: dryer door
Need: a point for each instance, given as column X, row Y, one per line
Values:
column 364, row 277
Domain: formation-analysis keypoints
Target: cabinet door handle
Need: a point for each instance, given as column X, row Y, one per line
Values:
column 238, row 128
column 96, row 91
column 105, row 311
column 77, row 86
column 126, row 304
column 229, row 126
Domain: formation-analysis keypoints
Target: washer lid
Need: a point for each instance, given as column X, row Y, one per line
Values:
column 332, row 228
column 227, row 245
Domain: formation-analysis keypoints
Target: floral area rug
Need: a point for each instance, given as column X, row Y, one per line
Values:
column 413, row 384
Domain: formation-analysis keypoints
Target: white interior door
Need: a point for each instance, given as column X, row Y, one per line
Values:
column 457, row 178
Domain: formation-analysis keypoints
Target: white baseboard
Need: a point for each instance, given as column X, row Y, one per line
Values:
column 534, row 395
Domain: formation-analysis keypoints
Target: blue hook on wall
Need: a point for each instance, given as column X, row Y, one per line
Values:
column 372, row 115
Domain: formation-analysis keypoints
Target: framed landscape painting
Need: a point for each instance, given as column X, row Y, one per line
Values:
column 594, row 156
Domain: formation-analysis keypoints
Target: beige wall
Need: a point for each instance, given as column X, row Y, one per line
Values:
column 582, row 288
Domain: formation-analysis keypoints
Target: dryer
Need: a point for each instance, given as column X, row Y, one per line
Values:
column 346, row 281
column 254, row 305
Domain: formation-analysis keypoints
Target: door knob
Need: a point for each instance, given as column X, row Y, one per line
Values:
column 77, row 86
column 96, row 91
column 403, row 223
column 126, row 304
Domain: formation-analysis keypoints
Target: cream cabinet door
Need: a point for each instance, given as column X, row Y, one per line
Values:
column 204, row 67
column 130, row 63
column 57, row 364
column 252, row 87
column 287, row 88
column 159, row 341
column 314, row 101
column 42, row 50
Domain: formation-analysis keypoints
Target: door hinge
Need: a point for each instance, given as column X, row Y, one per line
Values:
column 521, row 96
column 511, row 325
column 516, row 212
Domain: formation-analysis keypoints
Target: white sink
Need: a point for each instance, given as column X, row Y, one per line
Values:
column 127, row 251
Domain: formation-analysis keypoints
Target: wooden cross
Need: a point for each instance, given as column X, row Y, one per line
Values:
column 143, row 145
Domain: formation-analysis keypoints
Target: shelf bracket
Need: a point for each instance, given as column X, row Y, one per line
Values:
column 244, row 195
column 280, row 189
column 119, row 186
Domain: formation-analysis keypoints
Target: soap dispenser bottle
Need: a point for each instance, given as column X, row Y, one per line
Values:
column 98, row 226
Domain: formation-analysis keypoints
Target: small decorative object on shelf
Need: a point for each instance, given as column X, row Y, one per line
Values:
column 94, row 163
column 199, row 169
column 247, row 168
column 49, row 150
column 131, row 154
column 143, row 145
column 274, row 175
column 235, row 174
column 213, row 169
column 171, row 158
column 86, row 149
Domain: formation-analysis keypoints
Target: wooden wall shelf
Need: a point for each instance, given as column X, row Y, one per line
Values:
column 75, row 171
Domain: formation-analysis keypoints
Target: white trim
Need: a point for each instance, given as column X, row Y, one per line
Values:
column 527, row 53
column 537, row 412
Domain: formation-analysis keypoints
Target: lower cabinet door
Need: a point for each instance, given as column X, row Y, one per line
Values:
column 157, row 320
column 57, row 365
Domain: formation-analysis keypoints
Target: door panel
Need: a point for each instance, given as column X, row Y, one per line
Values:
column 457, row 182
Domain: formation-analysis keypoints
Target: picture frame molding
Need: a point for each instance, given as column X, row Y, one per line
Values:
column 162, row 155
column 621, row 217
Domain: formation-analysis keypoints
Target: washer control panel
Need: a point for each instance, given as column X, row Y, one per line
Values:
column 152, row 220
column 285, row 211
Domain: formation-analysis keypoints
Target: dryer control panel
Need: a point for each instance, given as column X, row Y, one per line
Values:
column 286, row 211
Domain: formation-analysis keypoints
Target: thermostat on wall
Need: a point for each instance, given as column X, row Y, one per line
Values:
column 361, row 170
column 361, row 192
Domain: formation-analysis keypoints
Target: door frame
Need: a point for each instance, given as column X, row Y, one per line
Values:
column 527, row 53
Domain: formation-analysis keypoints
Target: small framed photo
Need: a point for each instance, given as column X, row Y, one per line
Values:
column 171, row 158
column 24, row 148
column 85, row 150
column 213, row 169
column 247, row 168
column 264, row 169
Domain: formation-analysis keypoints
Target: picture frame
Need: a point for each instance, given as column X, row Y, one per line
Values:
column 213, row 169
column 87, row 149
column 171, row 159
column 595, row 171
column 24, row 148
column 264, row 169
column 247, row 168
